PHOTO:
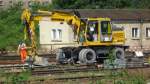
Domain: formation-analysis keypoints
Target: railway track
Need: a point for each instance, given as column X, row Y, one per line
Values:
column 13, row 62
column 63, row 70
column 15, row 59
column 83, row 77
column 40, row 81
column 57, row 69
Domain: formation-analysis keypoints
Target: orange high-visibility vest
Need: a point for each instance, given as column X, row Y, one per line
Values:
column 23, row 53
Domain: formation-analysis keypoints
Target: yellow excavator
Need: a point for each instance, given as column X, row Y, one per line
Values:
column 96, row 37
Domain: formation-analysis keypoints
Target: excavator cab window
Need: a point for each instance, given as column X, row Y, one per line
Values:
column 105, row 27
column 106, row 31
column 92, row 30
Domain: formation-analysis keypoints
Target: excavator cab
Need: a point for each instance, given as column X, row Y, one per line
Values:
column 98, row 31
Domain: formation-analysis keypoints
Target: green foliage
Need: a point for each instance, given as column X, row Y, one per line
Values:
column 120, row 82
column 123, row 77
column 2, row 73
column 111, row 55
column 99, row 82
column 19, row 78
column 10, row 27
column 100, row 4
column 109, row 63
column 137, row 79
column 15, row 78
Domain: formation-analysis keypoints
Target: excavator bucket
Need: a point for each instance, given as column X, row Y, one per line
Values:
column 41, row 61
column 36, row 60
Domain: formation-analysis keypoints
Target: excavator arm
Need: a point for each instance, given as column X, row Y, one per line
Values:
column 28, row 19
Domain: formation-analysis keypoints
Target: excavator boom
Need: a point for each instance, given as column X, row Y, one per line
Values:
column 29, row 18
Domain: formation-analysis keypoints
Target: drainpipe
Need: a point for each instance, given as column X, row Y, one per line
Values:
column 141, row 34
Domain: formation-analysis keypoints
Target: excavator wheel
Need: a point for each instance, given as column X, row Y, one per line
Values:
column 87, row 56
column 119, row 53
column 119, row 61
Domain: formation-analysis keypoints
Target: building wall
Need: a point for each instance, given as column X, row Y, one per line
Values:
column 41, row 1
column 145, row 40
column 141, row 40
column 63, row 38
column 135, row 43
column 7, row 3
column 4, row 4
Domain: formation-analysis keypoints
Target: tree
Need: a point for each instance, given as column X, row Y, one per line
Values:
column 10, row 25
column 100, row 4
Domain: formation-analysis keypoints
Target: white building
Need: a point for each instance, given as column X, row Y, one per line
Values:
column 55, row 34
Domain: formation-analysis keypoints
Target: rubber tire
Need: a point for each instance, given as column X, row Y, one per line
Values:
column 121, row 51
column 83, row 56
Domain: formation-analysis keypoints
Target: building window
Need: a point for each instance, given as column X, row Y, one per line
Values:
column 20, row 3
column 53, row 34
column 148, row 32
column 135, row 33
column 10, row 2
column 30, row 3
column 1, row 3
column 45, row 3
column 59, row 34
column 56, row 35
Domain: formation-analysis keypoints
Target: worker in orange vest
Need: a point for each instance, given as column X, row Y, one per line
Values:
column 22, row 50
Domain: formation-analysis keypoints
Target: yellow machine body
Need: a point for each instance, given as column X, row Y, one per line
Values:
column 113, row 37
